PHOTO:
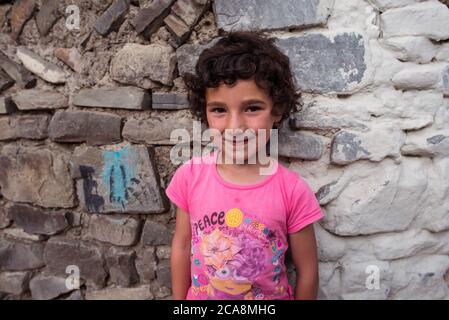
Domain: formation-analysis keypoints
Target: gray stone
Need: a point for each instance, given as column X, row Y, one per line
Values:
column 155, row 234
column 423, row 274
column 36, row 99
column 48, row 287
column 61, row 252
column 354, row 280
column 443, row 52
column 311, row 120
column 158, row 129
column 146, row 264
column 35, row 220
column 5, row 221
column 384, row 5
column 149, row 19
column 252, row 14
column 380, row 142
column 162, row 292
column 428, row 19
column 177, row 28
column 410, row 109
column 28, row 126
column 427, row 143
column 21, row 76
column 142, row 65
column 117, row 230
column 6, row 105
column 70, row 56
column 330, row 280
column 342, row 55
column 327, row 193
column 20, row 235
column 20, row 256
column 4, row 9
column 118, row 178
column 410, row 48
column 94, row 128
column 21, row 12
column 188, row 54
column 163, row 252
column 142, row 3
column 137, row 293
column 189, row 11
column 301, row 145
column 185, row 15
column 14, row 282
column 122, row 97
column 112, row 18
column 330, row 247
column 75, row 295
column 47, row 16
column 445, row 82
column 36, row 175
column 39, row 66
column 169, row 101
column 406, row 244
column 419, row 77
column 386, row 207
column 5, row 81
column 122, row 269
column 163, row 274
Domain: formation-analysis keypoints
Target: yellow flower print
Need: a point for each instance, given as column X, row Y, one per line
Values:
column 217, row 248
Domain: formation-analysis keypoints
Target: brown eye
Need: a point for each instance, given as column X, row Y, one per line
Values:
column 254, row 108
column 216, row 110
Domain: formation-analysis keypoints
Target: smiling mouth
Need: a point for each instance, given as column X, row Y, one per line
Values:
column 234, row 142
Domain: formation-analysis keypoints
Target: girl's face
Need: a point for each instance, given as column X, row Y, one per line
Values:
column 239, row 114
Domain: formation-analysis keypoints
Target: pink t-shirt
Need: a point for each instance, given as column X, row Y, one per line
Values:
column 240, row 232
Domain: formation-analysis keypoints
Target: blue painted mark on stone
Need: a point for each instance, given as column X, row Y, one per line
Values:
column 118, row 171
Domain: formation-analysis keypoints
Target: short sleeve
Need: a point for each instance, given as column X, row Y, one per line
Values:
column 177, row 189
column 305, row 208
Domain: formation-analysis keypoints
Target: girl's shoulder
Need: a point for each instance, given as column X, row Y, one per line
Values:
column 288, row 174
column 293, row 180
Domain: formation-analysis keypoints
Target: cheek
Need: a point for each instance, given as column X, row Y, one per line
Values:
column 263, row 132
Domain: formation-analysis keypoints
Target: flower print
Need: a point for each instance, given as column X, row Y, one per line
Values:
column 217, row 248
column 195, row 280
column 203, row 280
column 250, row 261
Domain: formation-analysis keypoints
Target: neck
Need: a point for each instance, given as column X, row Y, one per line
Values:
column 241, row 166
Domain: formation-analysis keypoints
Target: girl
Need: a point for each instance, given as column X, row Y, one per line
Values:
column 233, row 224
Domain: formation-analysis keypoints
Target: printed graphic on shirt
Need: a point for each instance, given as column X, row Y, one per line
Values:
column 235, row 256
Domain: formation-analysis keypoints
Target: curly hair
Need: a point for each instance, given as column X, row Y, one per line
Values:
column 244, row 55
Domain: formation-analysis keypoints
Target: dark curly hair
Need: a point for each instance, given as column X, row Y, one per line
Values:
column 244, row 55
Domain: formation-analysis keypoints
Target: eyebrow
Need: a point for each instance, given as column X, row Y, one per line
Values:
column 244, row 102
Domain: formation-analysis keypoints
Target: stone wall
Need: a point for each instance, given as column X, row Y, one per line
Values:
column 90, row 91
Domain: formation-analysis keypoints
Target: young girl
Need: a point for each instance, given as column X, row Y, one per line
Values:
column 233, row 224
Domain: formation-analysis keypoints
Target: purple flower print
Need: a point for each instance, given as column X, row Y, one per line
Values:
column 250, row 261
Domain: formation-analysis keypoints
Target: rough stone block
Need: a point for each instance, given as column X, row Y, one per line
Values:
column 119, row 178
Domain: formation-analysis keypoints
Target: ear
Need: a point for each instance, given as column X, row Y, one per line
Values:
column 277, row 121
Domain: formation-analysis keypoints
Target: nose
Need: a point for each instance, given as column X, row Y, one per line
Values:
column 235, row 126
